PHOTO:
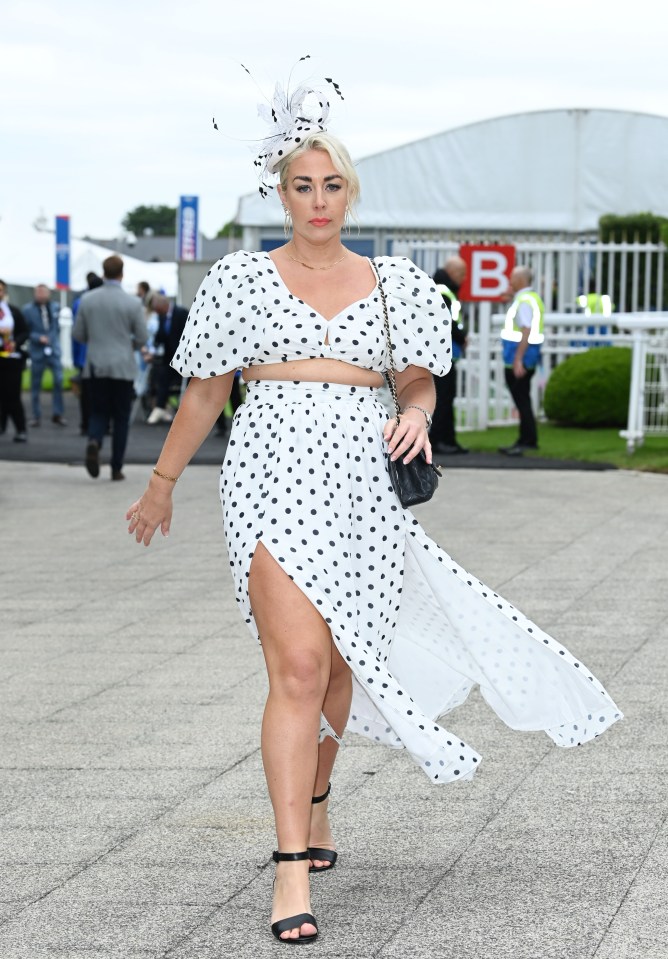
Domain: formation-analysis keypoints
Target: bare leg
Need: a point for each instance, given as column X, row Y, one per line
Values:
column 337, row 709
column 297, row 648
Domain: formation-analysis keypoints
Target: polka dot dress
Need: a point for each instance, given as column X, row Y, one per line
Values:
column 305, row 474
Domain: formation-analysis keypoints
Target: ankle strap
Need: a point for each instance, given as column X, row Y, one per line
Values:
column 324, row 795
column 290, row 856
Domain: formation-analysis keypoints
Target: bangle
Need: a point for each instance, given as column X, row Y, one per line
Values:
column 427, row 416
column 172, row 479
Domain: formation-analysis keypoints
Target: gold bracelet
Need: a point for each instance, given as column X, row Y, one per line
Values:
column 172, row 479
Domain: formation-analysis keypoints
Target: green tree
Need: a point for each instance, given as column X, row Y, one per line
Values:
column 231, row 229
column 160, row 219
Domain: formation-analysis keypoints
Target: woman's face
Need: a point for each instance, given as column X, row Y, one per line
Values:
column 316, row 195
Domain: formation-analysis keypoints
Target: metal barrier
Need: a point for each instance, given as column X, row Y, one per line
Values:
column 482, row 397
column 648, row 398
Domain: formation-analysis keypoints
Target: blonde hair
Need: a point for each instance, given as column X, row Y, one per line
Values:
column 339, row 156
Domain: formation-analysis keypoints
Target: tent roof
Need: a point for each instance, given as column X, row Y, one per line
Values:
column 28, row 257
column 552, row 170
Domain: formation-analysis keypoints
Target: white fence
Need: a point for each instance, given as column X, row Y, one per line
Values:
column 482, row 397
column 648, row 399
column 632, row 274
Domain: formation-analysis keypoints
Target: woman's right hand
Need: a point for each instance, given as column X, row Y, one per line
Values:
column 152, row 510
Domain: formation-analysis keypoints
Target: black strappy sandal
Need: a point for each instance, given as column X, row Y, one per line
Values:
column 294, row 922
column 315, row 852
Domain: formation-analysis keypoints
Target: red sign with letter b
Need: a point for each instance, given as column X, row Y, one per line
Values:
column 488, row 270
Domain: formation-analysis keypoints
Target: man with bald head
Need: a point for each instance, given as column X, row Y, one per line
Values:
column 522, row 337
column 448, row 280
column 172, row 320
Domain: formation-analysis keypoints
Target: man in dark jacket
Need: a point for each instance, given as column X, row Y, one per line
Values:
column 442, row 435
column 172, row 321
column 14, row 334
column 112, row 324
column 42, row 319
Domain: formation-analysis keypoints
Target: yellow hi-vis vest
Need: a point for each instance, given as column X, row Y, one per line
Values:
column 512, row 332
column 455, row 305
column 595, row 303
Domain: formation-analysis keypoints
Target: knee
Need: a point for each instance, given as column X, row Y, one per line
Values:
column 300, row 676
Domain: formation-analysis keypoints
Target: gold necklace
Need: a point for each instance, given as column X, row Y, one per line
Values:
column 309, row 267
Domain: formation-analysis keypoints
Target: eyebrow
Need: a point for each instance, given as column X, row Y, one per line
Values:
column 309, row 179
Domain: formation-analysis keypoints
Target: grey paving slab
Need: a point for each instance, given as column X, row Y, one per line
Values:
column 133, row 815
column 93, row 926
column 137, row 883
column 169, row 784
column 31, row 846
column 23, row 884
column 82, row 813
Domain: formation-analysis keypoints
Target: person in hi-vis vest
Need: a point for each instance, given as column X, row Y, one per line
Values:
column 598, row 305
column 522, row 336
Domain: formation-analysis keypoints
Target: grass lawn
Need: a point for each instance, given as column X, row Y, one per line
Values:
column 566, row 443
column 47, row 380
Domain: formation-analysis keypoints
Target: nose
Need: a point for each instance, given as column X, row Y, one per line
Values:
column 319, row 196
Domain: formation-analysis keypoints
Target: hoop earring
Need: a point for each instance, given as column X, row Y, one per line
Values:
column 287, row 223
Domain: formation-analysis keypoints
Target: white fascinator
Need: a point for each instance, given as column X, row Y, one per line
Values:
column 292, row 115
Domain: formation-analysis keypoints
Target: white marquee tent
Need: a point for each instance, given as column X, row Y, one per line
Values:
column 552, row 171
column 28, row 257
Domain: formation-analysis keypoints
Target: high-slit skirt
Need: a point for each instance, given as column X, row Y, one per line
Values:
column 305, row 474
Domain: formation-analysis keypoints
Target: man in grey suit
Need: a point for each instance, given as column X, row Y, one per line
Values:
column 112, row 324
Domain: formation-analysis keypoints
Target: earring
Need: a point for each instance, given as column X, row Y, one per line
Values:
column 346, row 222
column 288, row 223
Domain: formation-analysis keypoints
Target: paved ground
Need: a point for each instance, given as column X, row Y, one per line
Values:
column 133, row 818
column 53, row 444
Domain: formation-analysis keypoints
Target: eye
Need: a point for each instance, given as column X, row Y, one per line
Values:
column 303, row 188
column 333, row 187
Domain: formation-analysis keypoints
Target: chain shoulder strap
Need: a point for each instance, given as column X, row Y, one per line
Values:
column 392, row 383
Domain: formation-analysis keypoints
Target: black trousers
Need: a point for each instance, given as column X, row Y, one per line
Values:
column 11, row 407
column 166, row 380
column 111, row 403
column 520, row 390
column 443, row 421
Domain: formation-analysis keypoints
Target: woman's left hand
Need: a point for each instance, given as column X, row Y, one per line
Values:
column 409, row 437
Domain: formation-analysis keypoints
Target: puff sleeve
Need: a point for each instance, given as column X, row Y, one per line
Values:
column 419, row 318
column 225, row 324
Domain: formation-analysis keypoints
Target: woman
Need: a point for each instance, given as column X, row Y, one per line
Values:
column 329, row 570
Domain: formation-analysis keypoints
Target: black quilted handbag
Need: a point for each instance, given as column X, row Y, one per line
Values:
column 413, row 482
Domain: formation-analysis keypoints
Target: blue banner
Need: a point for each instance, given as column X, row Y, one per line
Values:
column 62, row 252
column 187, row 240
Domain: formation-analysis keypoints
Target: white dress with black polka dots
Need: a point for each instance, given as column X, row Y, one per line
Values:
column 305, row 473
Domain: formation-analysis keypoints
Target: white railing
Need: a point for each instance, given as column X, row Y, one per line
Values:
column 482, row 396
column 631, row 273
column 648, row 397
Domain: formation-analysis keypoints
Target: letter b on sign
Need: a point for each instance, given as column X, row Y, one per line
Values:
column 488, row 270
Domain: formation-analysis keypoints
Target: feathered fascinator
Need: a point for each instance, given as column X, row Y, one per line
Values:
column 291, row 115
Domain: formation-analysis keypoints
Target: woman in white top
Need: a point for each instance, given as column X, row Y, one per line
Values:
column 350, row 598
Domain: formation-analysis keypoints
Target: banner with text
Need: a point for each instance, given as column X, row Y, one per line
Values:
column 187, row 238
column 62, row 252
column 488, row 270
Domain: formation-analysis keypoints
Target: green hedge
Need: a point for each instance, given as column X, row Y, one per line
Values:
column 590, row 389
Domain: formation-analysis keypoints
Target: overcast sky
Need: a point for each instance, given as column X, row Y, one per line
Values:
column 107, row 106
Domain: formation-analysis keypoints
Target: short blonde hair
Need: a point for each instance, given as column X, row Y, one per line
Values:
column 339, row 156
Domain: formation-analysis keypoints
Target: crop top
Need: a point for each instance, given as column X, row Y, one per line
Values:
column 244, row 315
